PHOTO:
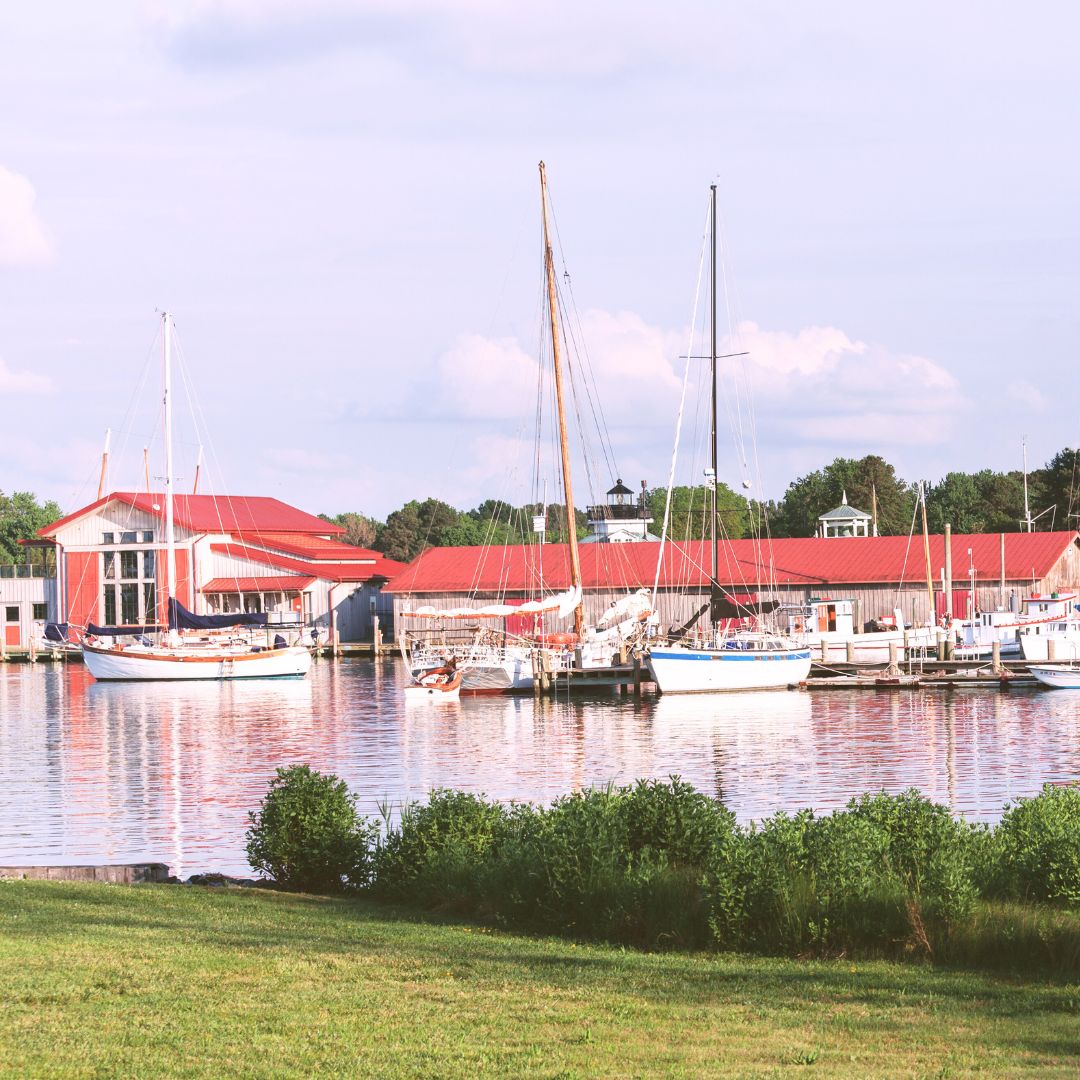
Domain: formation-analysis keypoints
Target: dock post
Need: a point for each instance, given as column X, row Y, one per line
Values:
column 1051, row 649
column 376, row 635
column 3, row 648
column 536, row 673
column 995, row 655
column 337, row 642
column 893, row 653
column 824, row 651
column 637, row 675
column 545, row 673
column 33, row 649
column 941, row 644
column 851, row 652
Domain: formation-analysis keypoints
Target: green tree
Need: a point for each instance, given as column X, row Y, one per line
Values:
column 690, row 512
column 979, row 502
column 418, row 525
column 1055, row 491
column 359, row 529
column 812, row 495
column 20, row 518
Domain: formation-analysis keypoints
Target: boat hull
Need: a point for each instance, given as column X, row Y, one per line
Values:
column 874, row 647
column 1036, row 647
column 680, row 670
column 1057, row 676
column 116, row 665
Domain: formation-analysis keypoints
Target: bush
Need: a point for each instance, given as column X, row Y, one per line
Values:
column 1037, row 848
column 436, row 853
column 307, row 834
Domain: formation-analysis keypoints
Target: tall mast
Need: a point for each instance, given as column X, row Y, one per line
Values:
column 1027, row 509
column 564, row 447
column 926, row 553
column 170, row 538
column 714, row 589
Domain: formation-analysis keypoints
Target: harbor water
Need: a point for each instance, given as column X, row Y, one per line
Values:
column 99, row 773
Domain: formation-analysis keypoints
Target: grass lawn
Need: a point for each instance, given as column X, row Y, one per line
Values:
column 100, row 980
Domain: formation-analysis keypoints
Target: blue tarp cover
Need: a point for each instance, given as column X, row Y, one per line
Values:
column 182, row 619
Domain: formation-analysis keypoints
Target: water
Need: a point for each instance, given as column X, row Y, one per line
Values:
column 120, row 773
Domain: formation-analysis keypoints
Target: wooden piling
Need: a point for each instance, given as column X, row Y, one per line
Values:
column 851, row 652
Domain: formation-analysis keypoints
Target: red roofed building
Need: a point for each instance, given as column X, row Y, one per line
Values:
column 880, row 572
column 233, row 553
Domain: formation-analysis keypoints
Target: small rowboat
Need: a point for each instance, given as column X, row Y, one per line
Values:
column 439, row 684
column 1057, row 676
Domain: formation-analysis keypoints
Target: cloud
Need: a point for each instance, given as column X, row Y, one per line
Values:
column 22, row 236
column 23, row 382
column 831, row 388
column 1026, row 394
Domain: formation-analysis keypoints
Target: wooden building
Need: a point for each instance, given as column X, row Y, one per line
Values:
column 881, row 573
column 233, row 553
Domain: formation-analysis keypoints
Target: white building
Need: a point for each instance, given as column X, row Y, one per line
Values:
column 27, row 602
column 233, row 553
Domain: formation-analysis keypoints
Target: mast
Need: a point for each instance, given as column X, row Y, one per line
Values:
column 571, row 521
column 1027, row 509
column 926, row 552
column 714, row 589
column 170, row 537
column 104, row 464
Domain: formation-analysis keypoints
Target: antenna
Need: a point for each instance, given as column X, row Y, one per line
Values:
column 1027, row 509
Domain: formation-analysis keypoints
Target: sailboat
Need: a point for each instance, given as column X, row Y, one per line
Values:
column 723, row 659
column 171, row 657
column 494, row 663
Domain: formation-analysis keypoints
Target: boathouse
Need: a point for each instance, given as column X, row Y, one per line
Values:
column 27, row 602
column 882, row 574
column 233, row 554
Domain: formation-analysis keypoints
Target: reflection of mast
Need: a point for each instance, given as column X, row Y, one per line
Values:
column 571, row 519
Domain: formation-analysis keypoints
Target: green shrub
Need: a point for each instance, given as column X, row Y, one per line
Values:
column 436, row 853
column 1037, row 848
column 307, row 834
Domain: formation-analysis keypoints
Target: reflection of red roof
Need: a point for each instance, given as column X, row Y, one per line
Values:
column 216, row 513
column 257, row 584
column 364, row 571
column 814, row 563
column 311, row 547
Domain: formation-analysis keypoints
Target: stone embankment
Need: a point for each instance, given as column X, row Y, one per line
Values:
column 116, row 874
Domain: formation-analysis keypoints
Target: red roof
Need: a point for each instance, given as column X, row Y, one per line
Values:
column 381, row 568
column 216, row 513
column 257, row 584
column 311, row 547
column 815, row 563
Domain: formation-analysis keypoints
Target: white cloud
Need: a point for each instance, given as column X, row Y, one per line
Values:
column 1026, row 394
column 22, row 236
column 23, row 382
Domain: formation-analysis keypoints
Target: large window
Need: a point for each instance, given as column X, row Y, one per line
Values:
column 110, row 605
column 149, row 602
column 129, row 604
column 148, row 565
column 110, row 565
column 129, row 565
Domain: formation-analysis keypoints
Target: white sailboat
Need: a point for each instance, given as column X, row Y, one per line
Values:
column 722, row 659
column 170, row 658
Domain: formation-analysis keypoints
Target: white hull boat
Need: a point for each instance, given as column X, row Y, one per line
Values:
column 137, row 663
column 752, row 663
column 1057, row 676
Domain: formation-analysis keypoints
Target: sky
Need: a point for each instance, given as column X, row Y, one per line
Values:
column 339, row 203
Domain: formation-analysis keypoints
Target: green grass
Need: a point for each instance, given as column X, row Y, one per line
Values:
column 102, row 981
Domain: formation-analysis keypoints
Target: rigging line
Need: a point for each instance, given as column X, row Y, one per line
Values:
column 907, row 550
column 679, row 420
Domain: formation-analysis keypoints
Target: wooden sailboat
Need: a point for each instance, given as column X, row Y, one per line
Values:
column 489, row 666
column 170, row 658
column 740, row 660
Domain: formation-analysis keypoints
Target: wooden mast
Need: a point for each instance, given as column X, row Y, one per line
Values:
column 926, row 553
column 104, row 464
column 564, row 447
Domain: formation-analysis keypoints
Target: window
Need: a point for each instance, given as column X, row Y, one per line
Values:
column 253, row 602
column 40, row 612
column 110, row 564
column 148, row 565
column 149, row 602
column 129, row 565
column 11, row 614
column 129, row 538
column 147, row 537
column 110, row 605
column 107, row 538
column 129, row 604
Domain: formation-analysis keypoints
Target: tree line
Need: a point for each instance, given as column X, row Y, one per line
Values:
column 984, row 501
column 978, row 502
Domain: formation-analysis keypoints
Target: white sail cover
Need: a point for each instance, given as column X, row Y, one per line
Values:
column 564, row 603
column 629, row 607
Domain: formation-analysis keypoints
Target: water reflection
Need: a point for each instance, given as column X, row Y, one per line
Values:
column 98, row 773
